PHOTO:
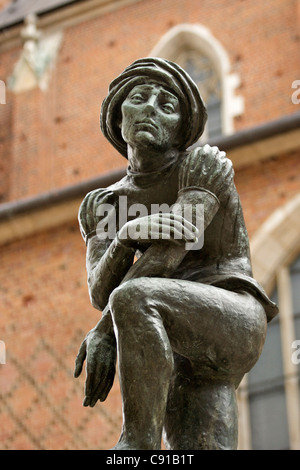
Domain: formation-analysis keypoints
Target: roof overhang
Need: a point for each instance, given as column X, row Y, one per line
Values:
column 15, row 13
column 261, row 142
column 68, row 14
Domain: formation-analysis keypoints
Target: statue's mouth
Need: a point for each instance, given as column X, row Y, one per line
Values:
column 147, row 124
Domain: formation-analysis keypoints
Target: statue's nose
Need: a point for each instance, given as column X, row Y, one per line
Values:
column 150, row 106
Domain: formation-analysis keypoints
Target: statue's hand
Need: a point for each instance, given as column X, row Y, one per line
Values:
column 99, row 350
column 165, row 227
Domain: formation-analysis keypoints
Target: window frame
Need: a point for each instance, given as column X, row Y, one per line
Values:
column 198, row 37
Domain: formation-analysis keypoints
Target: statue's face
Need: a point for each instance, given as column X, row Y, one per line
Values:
column 151, row 117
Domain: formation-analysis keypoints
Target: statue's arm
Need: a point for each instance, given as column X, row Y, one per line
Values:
column 107, row 261
column 162, row 259
column 106, row 265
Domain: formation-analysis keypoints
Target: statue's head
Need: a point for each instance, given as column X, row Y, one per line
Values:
column 183, row 115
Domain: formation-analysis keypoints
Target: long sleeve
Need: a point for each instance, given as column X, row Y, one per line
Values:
column 107, row 260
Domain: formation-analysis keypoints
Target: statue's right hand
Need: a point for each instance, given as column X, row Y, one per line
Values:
column 162, row 227
column 99, row 351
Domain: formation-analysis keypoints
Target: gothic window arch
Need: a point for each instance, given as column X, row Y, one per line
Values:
column 204, row 58
column 202, row 70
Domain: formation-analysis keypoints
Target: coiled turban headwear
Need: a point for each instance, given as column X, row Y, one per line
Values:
column 166, row 73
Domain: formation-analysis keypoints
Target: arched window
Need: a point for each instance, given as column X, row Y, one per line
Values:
column 202, row 70
column 204, row 58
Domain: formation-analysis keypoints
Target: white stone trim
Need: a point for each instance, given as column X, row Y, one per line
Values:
column 276, row 243
column 37, row 58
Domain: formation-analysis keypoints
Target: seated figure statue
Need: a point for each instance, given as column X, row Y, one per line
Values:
column 184, row 317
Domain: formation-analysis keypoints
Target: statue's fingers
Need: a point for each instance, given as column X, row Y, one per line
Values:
column 180, row 229
column 103, row 388
column 96, row 395
column 104, row 394
column 183, row 233
column 86, row 401
column 186, row 225
column 93, row 379
column 80, row 359
column 108, row 383
column 90, row 399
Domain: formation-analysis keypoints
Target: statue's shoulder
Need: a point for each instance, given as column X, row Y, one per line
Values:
column 87, row 214
column 207, row 157
column 206, row 167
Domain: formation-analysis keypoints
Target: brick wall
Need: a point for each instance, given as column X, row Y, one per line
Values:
column 45, row 314
column 267, row 185
column 4, row 3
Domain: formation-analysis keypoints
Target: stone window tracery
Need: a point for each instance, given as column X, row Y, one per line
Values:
column 201, row 69
column 195, row 48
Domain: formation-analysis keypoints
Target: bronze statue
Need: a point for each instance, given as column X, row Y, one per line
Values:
column 179, row 304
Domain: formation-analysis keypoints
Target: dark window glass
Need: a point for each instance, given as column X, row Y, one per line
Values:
column 201, row 69
column 269, row 427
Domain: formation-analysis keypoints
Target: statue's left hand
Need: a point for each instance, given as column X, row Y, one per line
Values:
column 99, row 351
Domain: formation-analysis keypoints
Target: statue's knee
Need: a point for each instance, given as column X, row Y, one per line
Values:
column 122, row 295
column 124, row 301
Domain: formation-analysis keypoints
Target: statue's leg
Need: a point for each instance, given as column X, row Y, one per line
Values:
column 221, row 333
column 145, row 367
column 201, row 413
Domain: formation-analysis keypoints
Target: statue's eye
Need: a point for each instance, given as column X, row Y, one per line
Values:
column 137, row 98
column 168, row 107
